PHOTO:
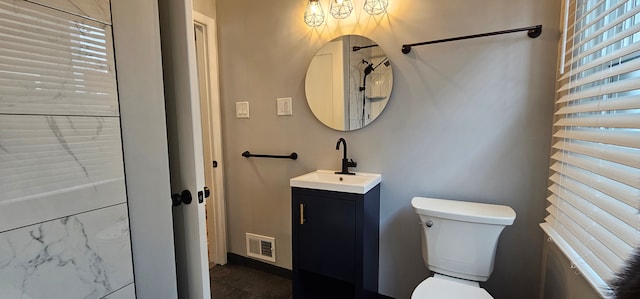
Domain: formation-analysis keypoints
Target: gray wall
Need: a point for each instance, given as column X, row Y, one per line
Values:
column 469, row 120
column 205, row 7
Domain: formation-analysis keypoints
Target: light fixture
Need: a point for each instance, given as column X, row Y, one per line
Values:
column 341, row 9
column 313, row 15
column 375, row 7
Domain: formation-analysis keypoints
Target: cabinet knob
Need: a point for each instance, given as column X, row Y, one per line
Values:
column 301, row 213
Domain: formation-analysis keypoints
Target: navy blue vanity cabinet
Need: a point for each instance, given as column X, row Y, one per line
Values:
column 335, row 243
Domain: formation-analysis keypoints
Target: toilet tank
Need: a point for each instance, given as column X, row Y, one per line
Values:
column 460, row 238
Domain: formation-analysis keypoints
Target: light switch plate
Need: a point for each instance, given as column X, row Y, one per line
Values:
column 242, row 109
column 284, row 106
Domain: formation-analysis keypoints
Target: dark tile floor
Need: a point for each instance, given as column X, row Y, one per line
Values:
column 241, row 282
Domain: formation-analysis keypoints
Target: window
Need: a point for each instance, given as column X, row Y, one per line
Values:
column 595, row 161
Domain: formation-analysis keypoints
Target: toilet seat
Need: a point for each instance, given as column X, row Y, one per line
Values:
column 439, row 288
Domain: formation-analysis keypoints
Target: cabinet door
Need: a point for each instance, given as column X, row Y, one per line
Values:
column 327, row 237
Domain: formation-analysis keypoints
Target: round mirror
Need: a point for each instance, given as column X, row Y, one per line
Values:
column 348, row 83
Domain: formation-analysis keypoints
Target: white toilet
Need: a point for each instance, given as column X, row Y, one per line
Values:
column 459, row 241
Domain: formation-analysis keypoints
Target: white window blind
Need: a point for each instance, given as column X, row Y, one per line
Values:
column 595, row 162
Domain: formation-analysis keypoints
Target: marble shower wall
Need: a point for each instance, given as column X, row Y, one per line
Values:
column 64, row 229
column 379, row 83
column 81, row 256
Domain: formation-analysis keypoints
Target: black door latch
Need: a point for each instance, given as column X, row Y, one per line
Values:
column 182, row 198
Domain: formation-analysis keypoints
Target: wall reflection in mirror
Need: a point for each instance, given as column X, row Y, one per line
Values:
column 348, row 82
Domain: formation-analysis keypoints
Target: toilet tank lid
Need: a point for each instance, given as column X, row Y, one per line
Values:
column 464, row 210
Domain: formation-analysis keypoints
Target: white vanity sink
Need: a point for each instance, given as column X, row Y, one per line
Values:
column 359, row 183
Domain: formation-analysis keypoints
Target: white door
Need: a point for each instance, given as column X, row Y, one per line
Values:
column 185, row 147
column 207, row 61
column 325, row 80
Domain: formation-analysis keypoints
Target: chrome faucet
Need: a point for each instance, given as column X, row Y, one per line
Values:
column 345, row 162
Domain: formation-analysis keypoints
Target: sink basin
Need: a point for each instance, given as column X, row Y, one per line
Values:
column 359, row 183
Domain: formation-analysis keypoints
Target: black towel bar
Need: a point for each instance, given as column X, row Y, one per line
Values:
column 532, row 32
column 292, row 156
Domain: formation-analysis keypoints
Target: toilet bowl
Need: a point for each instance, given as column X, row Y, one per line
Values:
column 459, row 242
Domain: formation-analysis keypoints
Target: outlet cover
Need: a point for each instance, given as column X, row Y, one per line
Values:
column 242, row 109
column 284, row 106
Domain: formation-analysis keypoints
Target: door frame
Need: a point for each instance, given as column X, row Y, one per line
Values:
column 216, row 216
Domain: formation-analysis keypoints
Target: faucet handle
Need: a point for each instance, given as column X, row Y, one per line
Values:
column 352, row 163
